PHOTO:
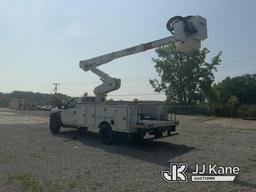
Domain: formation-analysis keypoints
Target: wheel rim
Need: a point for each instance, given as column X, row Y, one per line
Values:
column 106, row 134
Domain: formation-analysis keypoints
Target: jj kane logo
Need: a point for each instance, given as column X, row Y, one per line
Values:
column 211, row 172
column 176, row 172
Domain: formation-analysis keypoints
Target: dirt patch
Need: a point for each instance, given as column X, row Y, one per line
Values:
column 8, row 116
column 32, row 159
column 234, row 123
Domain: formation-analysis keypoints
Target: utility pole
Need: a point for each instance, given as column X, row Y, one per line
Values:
column 55, row 89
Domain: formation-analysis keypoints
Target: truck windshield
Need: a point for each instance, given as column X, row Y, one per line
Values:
column 71, row 103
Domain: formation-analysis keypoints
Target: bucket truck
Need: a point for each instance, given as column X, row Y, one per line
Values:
column 135, row 119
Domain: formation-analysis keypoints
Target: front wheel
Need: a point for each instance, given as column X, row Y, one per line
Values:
column 55, row 123
column 106, row 135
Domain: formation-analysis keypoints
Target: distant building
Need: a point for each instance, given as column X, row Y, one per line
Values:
column 21, row 104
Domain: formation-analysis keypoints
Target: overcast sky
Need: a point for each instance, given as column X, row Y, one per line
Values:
column 42, row 41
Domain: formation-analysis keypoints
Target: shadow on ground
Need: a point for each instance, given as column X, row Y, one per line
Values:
column 245, row 184
column 152, row 151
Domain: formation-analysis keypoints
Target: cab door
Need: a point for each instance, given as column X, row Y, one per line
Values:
column 68, row 113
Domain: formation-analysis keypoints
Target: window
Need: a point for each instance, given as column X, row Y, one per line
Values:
column 72, row 103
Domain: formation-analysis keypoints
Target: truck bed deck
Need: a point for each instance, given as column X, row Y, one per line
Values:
column 146, row 124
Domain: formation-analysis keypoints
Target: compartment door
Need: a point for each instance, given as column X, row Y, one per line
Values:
column 80, row 115
column 90, row 117
column 121, row 119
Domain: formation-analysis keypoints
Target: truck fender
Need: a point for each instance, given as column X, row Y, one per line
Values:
column 103, row 122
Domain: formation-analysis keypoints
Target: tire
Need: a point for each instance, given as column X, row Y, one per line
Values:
column 137, row 137
column 55, row 123
column 106, row 135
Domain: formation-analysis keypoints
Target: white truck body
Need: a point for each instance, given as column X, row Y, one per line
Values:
column 125, row 117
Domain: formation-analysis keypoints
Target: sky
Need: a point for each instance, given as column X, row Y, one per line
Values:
column 42, row 42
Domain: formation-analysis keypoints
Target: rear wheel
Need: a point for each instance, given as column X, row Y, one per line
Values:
column 138, row 136
column 106, row 135
column 55, row 123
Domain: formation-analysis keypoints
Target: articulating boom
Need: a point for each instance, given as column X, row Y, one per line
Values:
column 187, row 34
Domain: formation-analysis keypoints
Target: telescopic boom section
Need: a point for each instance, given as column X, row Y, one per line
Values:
column 187, row 34
column 100, row 60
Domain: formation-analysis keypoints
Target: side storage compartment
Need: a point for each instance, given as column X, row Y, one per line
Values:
column 121, row 119
column 90, row 117
column 80, row 115
column 116, row 116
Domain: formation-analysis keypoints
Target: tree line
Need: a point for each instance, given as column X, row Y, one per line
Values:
column 35, row 98
column 187, row 80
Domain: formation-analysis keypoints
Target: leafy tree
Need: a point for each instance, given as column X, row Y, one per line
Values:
column 233, row 101
column 185, row 78
column 243, row 87
column 35, row 98
column 57, row 99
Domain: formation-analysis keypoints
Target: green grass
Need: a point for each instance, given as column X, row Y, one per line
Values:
column 211, row 118
column 124, row 188
column 52, row 186
column 27, row 181
column 72, row 184
column 246, row 129
column 250, row 165
column 31, row 184
column 4, row 159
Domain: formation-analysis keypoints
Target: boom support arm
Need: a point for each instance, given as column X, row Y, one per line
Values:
column 110, row 83
column 188, row 32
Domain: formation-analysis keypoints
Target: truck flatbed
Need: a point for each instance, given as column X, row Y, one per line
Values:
column 146, row 124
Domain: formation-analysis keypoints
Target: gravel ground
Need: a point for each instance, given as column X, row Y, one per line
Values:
column 31, row 159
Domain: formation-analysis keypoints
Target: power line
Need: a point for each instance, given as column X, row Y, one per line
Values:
column 237, row 64
column 240, row 60
column 232, row 75
column 229, row 66
column 55, row 89
column 222, row 65
column 236, row 67
column 123, row 95
column 139, row 94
